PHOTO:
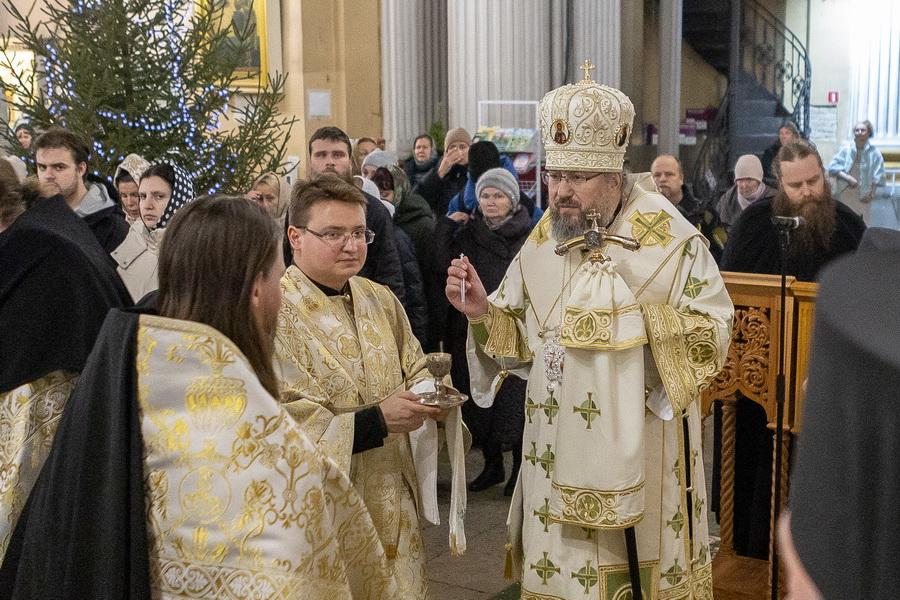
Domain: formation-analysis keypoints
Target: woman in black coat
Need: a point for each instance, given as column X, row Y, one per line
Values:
column 490, row 237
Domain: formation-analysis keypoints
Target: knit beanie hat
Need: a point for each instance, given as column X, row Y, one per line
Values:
column 380, row 158
column 748, row 167
column 501, row 179
column 482, row 156
column 457, row 135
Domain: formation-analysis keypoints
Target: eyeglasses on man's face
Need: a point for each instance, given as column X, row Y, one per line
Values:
column 333, row 238
column 575, row 180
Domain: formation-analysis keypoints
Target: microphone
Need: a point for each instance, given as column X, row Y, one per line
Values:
column 788, row 222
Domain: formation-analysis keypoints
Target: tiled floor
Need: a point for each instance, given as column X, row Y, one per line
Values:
column 478, row 575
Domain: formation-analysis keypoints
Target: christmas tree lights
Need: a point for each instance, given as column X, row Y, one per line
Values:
column 152, row 77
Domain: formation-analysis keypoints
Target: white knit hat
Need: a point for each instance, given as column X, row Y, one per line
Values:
column 748, row 167
column 380, row 158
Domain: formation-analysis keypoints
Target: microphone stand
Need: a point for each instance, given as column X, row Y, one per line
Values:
column 784, row 239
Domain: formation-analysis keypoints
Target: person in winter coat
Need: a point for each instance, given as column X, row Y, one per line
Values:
column 490, row 238
column 390, row 182
column 483, row 156
column 412, row 215
column 423, row 160
column 443, row 182
column 164, row 188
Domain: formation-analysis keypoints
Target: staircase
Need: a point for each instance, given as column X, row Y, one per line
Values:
column 771, row 85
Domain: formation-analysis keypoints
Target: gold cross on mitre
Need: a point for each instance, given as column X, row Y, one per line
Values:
column 587, row 67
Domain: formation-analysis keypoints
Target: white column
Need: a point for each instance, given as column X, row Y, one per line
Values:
column 402, row 72
column 596, row 36
column 670, row 78
column 497, row 50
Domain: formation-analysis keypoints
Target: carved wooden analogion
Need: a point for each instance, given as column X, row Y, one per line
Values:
column 751, row 369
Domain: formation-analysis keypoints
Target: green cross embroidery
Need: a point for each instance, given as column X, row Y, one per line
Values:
column 587, row 576
column 677, row 523
column 550, row 408
column 532, row 456
column 686, row 251
column 673, row 574
column 698, row 508
column 704, row 554
column 501, row 291
column 588, row 410
column 651, row 229
column 694, row 286
column 676, row 469
column 545, row 460
column 543, row 514
column 530, row 407
column 545, row 569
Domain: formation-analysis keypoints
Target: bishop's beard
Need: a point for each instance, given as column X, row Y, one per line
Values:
column 564, row 227
column 820, row 213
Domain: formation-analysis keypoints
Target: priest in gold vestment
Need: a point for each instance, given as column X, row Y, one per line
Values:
column 350, row 367
column 618, row 332
column 175, row 472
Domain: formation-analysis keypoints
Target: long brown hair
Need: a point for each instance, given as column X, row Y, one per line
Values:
column 210, row 257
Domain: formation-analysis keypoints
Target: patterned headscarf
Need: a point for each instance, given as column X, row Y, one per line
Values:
column 401, row 184
column 134, row 165
column 182, row 193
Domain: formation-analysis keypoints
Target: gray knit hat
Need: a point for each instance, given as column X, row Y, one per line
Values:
column 380, row 158
column 501, row 179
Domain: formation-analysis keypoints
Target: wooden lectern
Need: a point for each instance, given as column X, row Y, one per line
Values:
column 751, row 368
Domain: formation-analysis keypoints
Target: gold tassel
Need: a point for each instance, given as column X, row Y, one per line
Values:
column 508, row 569
column 503, row 375
column 454, row 550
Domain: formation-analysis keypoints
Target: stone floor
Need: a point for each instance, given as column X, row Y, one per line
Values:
column 478, row 575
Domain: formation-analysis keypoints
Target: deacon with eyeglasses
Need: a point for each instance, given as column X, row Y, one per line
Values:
column 351, row 372
column 615, row 312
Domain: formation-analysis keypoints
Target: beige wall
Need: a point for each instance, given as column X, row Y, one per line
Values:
column 333, row 46
column 701, row 85
column 829, row 52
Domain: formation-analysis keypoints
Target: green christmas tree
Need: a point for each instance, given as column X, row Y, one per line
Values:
column 152, row 77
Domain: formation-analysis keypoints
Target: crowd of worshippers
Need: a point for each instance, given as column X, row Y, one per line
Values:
column 261, row 286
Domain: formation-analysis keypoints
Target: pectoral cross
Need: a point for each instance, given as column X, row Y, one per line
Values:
column 587, row 67
column 594, row 239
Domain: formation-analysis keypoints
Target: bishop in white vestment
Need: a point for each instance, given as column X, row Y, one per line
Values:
column 617, row 344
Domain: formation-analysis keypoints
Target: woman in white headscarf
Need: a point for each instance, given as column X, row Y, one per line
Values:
column 164, row 188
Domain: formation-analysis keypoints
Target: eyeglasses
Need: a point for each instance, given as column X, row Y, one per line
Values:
column 573, row 180
column 340, row 239
column 860, row 130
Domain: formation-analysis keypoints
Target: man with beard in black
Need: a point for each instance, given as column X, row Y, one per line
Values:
column 831, row 230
